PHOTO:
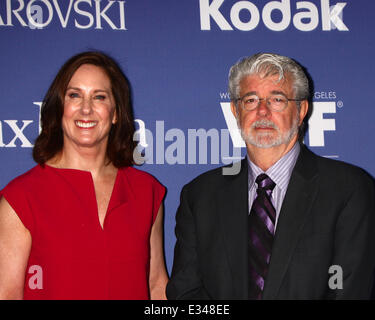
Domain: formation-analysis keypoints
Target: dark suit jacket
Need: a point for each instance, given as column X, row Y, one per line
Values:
column 327, row 218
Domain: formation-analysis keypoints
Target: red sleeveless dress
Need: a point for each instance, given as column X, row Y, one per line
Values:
column 77, row 258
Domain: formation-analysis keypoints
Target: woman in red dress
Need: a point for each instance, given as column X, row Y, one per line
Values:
column 83, row 223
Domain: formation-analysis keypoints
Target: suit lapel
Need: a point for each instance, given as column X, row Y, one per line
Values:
column 300, row 195
column 232, row 206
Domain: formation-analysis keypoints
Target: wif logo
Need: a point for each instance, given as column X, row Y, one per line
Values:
column 306, row 18
column 318, row 124
column 322, row 119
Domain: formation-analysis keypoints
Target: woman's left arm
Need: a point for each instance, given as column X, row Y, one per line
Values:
column 158, row 275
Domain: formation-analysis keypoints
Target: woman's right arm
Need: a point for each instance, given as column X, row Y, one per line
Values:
column 15, row 245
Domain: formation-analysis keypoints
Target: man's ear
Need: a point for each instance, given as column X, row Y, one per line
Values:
column 304, row 107
column 234, row 109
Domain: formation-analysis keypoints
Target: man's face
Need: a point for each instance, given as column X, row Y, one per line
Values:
column 262, row 127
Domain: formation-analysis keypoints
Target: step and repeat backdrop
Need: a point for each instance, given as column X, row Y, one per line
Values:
column 176, row 55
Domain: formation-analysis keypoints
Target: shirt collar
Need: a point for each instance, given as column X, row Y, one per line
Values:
column 280, row 172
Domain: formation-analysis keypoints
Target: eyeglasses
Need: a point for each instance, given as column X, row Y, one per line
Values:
column 276, row 102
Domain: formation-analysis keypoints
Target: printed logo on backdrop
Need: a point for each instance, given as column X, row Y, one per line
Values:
column 321, row 122
column 196, row 146
column 79, row 14
column 12, row 132
column 246, row 16
column 175, row 146
column 161, row 145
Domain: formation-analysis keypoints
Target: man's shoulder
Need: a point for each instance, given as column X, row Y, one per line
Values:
column 216, row 178
column 339, row 170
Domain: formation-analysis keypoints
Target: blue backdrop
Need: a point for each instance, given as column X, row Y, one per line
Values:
column 176, row 55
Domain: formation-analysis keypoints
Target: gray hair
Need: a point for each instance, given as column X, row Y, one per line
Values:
column 268, row 64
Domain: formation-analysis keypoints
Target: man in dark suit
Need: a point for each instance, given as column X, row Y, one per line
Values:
column 290, row 224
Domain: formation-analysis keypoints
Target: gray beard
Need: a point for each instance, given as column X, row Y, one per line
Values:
column 266, row 139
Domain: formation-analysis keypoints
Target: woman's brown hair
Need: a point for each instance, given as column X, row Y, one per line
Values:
column 120, row 145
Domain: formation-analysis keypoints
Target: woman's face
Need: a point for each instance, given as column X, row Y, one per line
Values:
column 89, row 109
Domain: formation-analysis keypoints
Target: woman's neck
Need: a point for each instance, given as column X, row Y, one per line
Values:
column 86, row 160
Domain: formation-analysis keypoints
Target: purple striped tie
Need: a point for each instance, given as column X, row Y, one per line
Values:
column 261, row 231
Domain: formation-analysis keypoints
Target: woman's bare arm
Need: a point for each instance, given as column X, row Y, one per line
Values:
column 15, row 245
column 158, row 275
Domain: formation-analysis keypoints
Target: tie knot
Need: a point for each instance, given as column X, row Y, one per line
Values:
column 265, row 182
